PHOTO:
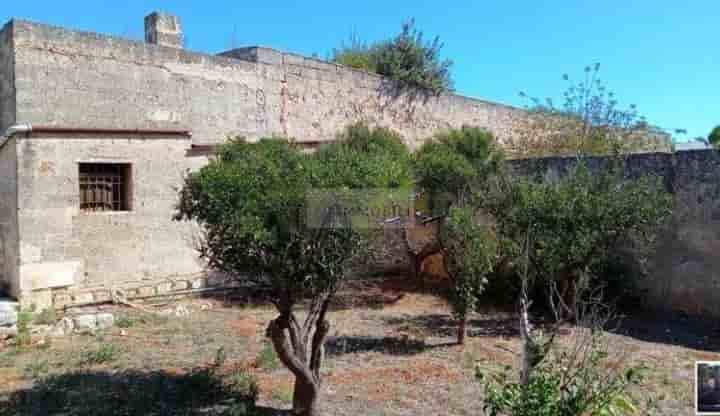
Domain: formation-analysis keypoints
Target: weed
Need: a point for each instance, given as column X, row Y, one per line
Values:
column 244, row 385
column 47, row 316
column 104, row 354
column 283, row 393
column 267, row 358
column 35, row 369
column 126, row 322
column 23, row 339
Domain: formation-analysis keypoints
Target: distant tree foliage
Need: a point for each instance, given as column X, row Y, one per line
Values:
column 407, row 59
column 714, row 137
column 453, row 164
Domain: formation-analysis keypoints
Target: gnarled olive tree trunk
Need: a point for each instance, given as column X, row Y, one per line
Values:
column 300, row 349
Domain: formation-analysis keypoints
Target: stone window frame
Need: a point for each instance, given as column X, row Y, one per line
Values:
column 113, row 183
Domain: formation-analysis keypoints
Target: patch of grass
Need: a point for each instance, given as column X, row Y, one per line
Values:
column 126, row 321
column 105, row 353
column 35, row 369
column 282, row 392
column 267, row 358
column 47, row 316
column 8, row 357
column 244, row 386
column 23, row 339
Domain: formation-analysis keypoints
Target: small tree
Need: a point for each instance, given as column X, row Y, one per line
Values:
column 469, row 251
column 253, row 203
column 406, row 59
column 714, row 137
column 577, row 221
column 453, row 169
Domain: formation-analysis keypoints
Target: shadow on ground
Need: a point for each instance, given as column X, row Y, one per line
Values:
column 336, row 346
column 445, row 326
column 130, row 392
column 672, row 329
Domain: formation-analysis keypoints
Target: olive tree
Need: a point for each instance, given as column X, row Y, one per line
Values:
column 253, row 202
column 453, row 169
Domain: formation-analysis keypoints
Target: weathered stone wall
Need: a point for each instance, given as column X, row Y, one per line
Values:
column 62, row 246
column 74, row 78
column 7, row 78
column 9, row 253
column 684, row 271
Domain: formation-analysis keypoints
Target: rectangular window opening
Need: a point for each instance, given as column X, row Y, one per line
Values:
column 105, row 187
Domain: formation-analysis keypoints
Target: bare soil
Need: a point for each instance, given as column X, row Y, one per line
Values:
column 391, row 352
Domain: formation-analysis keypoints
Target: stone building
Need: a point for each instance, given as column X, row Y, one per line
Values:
column 99, row 132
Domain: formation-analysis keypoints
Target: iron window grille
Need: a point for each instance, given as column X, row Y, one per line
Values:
column 104, row 187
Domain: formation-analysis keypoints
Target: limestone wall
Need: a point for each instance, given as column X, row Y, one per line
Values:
column 8, row 219
column 685, row 267
column 7, row 78
column 75, row 78
column 62, row 246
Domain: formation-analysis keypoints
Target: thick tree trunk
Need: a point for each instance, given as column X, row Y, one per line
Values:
column 462, row 330
column 300, row 349
column 306, row 397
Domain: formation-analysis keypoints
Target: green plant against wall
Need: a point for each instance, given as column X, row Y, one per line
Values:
column 408, row 59
column 577, row 221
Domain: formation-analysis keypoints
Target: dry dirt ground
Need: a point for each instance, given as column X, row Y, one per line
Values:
column 392, row 353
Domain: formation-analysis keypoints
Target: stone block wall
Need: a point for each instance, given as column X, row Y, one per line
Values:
column 7, row 78
column 62, row 246
column 66, row 77
column 9, row 250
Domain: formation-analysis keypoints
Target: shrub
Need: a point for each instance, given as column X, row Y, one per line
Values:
column 105, row 353
column 557, row 389
column 407, row 59
column 577, row 222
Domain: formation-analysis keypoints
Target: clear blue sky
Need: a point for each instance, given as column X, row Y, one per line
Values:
column 662, row 55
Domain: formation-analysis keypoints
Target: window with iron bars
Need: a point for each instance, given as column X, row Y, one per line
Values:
column 105, row 187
